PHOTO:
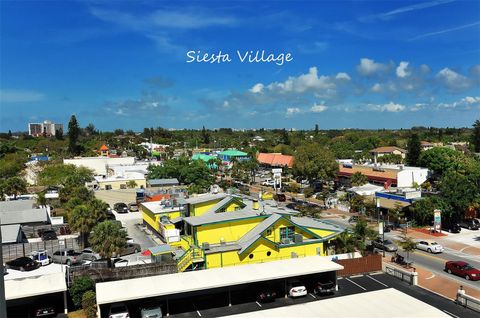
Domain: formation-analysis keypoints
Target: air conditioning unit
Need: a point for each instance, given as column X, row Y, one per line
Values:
column 298, row 238
column 222, row 241
column 206, row 246
column 286, row 240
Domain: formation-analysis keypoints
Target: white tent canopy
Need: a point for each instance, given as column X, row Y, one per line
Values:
column 162, row 285
column 366, row 189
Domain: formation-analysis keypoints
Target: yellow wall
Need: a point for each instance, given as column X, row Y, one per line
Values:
column 275, row 235
column 116, row 185
column 322, row 233
column 229, row 231
column 259, row 253
column 154, row 219
column 200, row 208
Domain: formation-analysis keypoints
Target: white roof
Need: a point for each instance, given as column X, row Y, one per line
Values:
column 157, row 207
column 161, row 285
column 127, row 176
column 34, row 285
column 10, row 233
column 389, row 302
column 366, row 189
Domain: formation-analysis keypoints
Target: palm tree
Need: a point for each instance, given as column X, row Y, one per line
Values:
column 98, row 209
column 362, row 233
column 81, row 219
column 344, row 243
column 108, row 238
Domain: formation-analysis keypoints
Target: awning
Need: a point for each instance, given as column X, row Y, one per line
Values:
column 162, row 285
column 34, row 286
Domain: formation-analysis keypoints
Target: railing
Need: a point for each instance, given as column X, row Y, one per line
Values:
column 468, row 301
column 188, row 258
column 406, row 276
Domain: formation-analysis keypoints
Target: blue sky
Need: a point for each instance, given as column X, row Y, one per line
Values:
column 123, row 64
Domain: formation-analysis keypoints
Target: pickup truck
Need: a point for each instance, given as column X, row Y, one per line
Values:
column 67, row 256
column 324, row 288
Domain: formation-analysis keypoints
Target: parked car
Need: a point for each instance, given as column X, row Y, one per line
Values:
column 130, row 249
column 265, row 295
column 468, row 224
column 41, row 257
column 67, row 256
column 268, row 183
column 133, row 207
column 120, row 207
column 89, row 255
column 296, row 289
column 44, row 311
column 151, row 312
column 429, row 246
column 463, row 269
column 120, row 262
column 49, row 235
column 451, row 227
column 386, row 245
column 324, row 288
column 118, row 310
column 23, row 264
column 101, row 263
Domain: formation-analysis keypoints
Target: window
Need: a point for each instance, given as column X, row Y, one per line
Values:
column 250, row 256
column 287, row 232
column 269, row 253
column 269, row 232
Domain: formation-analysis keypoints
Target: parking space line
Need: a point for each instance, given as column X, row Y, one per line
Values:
column 377, row 281
column 355, row 276
column 376, row 273
column 451, row 314
column 258, row 304
column 314, row 297
column 199, row 314
column 351, row 281
column 339, row 278
column 196, row 309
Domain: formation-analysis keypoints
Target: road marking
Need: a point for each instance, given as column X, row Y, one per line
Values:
column 376, row 273
column 377, row 280
column 351, row 281
column 339, row 278
column 432, row 257
column 451, row 314
column 199, row 314
column 312, row 295
column 461, row 250
column 355, row 276
column 196, row 309
column 433, row 275
column 259, row 304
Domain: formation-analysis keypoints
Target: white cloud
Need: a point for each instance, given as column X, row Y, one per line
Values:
column 453, row 80
column 304, row 82
column 292, row 111
column 20, row 96
column 257, row 88
column 376, row 88
column 318, row 108
column 402, row 70
column 390, row 107
column 471, row 100
column 370, row 67
column 342, row 76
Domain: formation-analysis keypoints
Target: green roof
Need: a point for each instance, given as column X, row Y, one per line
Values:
column 234, row 153
column 201, row 156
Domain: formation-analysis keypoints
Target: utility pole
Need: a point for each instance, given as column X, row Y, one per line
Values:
column 3, row 302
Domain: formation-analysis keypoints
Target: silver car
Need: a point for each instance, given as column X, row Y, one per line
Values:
column 386, row 245
column 430, row 246
column 151, row 312
column 89, row 255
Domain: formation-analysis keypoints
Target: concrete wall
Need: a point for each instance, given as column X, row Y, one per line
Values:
column 405, row 178
column 98, row 164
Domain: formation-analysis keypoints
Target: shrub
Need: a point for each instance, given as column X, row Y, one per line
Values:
column 89, row 304
column 79, row 287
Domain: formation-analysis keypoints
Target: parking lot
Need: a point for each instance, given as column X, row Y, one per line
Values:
column 215, row 303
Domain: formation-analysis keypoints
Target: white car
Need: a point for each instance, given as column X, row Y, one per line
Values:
column 429, row 246
column 268, row 183
column 118, row 310
column 296, row 289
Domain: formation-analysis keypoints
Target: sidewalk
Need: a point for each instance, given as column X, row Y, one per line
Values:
column 438, row 284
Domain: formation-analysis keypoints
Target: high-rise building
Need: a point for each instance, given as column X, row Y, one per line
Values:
column 47, row 128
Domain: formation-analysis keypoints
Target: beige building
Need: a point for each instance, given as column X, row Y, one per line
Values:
column 120, row 182
column 390, row 150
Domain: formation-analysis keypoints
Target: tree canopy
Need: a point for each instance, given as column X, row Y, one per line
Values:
column 108, row 238
column 315, row 163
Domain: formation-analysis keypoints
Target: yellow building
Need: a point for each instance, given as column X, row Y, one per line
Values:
column 220, row 230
